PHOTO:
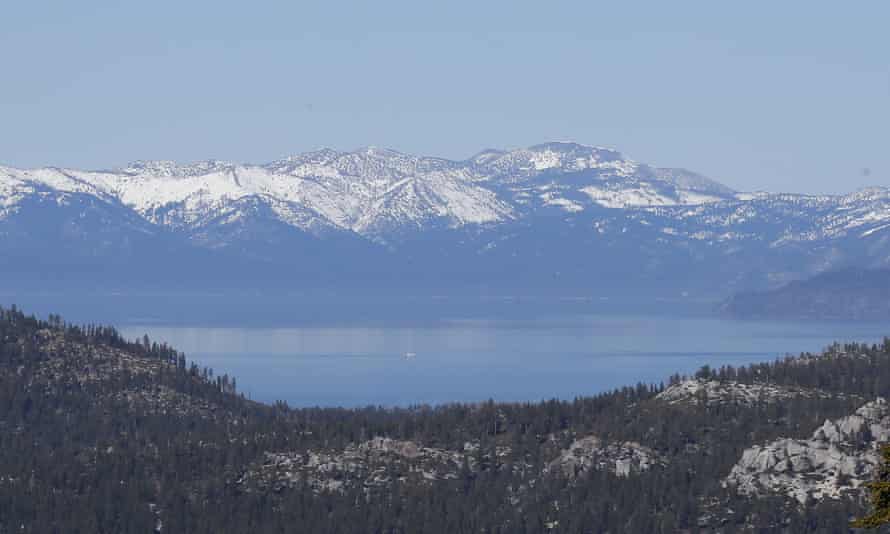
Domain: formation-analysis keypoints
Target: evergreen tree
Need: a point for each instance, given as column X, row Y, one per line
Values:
column 880, row 495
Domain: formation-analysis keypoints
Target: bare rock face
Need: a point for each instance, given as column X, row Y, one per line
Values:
column 376, row 463
column 840, row 456
column 369, row 464
column 592, row 453
column 700, row 391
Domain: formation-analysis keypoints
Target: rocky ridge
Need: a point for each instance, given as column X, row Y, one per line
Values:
column 370, row 464
column 839, row 457
column 592, row 453
column 711, row 392
column 380, row 461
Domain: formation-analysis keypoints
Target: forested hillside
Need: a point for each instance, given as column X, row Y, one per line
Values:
column 850, row 294
column 101, row 434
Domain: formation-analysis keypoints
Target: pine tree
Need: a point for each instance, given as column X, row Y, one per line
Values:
column 880, row 495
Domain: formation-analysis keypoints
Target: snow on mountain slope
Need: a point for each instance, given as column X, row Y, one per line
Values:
column 373, row 191
column 777, row 219
column 693, row 182
column 576, row 177
column 568, row 214
column 379, row 194
column 643, row 195
column 516, row 165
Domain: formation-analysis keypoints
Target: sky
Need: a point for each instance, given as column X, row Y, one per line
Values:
column 786, row 96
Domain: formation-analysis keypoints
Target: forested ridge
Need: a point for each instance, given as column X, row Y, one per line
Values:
column 103, row 434
column 849, row 294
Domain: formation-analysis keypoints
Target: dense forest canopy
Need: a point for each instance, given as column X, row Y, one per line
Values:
column 103, row 434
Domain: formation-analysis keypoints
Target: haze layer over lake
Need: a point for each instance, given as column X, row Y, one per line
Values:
column 397, row 351
column 478, row 359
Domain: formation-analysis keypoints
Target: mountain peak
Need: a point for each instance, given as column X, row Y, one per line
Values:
column 169, row 169
column 325, row 153
column 147, row 166
column 570, row 147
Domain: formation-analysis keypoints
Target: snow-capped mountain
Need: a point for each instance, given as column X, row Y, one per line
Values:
column 564, row 212
column 374, row 191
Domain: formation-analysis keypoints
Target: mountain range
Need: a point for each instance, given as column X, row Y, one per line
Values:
column 559, row 218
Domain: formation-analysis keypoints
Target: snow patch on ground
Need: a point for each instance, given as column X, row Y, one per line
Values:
column 642, row 195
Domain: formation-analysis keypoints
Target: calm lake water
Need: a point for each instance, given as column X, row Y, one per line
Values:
column 477, row 359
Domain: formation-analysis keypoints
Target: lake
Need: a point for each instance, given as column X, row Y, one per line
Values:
column 517, row 359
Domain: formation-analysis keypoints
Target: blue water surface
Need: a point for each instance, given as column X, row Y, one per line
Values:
column 451, row 360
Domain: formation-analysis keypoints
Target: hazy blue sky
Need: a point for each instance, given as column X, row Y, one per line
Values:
column 791, row 96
